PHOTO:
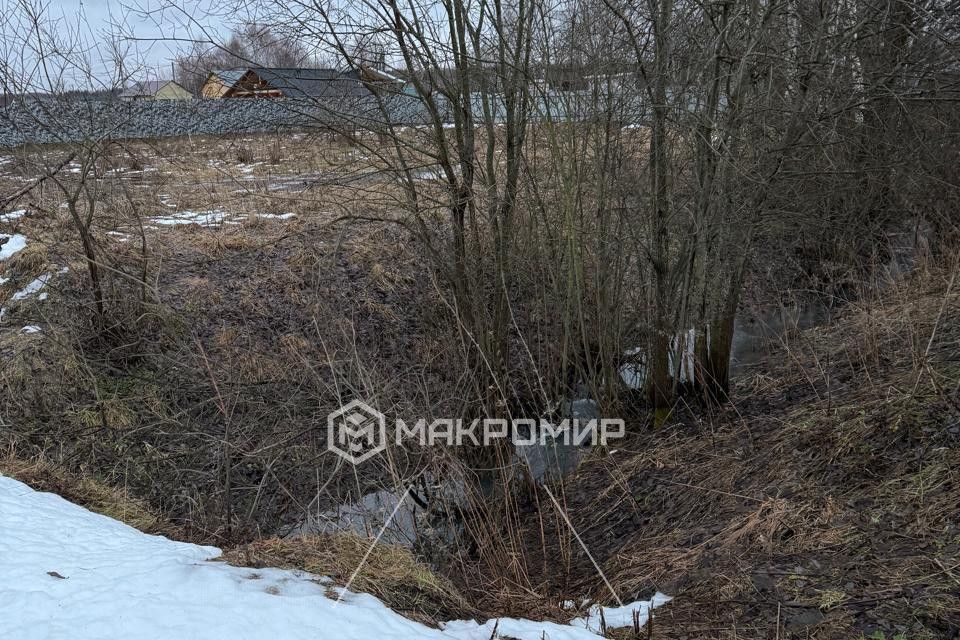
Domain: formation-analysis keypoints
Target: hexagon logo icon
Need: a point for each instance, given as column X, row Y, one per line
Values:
column 356, row 432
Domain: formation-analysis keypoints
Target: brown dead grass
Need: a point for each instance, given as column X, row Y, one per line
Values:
column 217, row 244
column 33, row 260
column 88, row 493
column 390, row 573
column 821, row 504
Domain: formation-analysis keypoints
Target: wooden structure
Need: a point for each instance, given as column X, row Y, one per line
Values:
column 265, row 82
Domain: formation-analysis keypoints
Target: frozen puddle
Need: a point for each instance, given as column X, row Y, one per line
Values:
column 66, row 572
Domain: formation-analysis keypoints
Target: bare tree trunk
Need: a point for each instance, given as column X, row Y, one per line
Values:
column 660, row 391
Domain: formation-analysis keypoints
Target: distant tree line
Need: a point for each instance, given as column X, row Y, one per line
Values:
column 250, row 45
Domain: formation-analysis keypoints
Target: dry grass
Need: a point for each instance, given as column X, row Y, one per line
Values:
column 390, row 573
column 828, row 484
column 29, row 263
column 827, row 491
column 287, row 311
column 88, row 493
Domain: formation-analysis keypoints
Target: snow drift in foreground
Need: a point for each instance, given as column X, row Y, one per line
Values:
column 66, row 572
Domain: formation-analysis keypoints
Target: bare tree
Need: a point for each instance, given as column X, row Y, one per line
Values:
column 59, row 88
column 724, row 98
column 252, row 44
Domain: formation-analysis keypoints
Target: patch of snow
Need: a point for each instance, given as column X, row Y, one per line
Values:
column 129, row 172
column 14, row 244
column 28, row 291
column 13, row 215
column 203, row 218
column 277, row 216
column 616, row 617
column 428, row 174
column 68, row 573
column 514, row 628
column 31, row 288
column 31, row 328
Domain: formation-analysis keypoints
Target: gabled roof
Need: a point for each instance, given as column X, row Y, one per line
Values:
column 229, row 77
column 145, row 88
column 313, row 83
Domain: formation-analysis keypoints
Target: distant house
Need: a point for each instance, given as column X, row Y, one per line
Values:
column 267, row 82
column 219, row 82
column 156, row 90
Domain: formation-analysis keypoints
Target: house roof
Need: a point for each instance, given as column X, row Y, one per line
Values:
column 144, row 88
column 229, row 77
column 313, row 83
column 295, row 82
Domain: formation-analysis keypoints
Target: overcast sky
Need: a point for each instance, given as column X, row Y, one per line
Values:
column 147, row 33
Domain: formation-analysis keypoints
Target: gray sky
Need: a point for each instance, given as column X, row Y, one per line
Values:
column 145, row 34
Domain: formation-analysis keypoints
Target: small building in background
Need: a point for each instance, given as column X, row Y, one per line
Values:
column 220, row 81
column 156, row 90
column 266, row 82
